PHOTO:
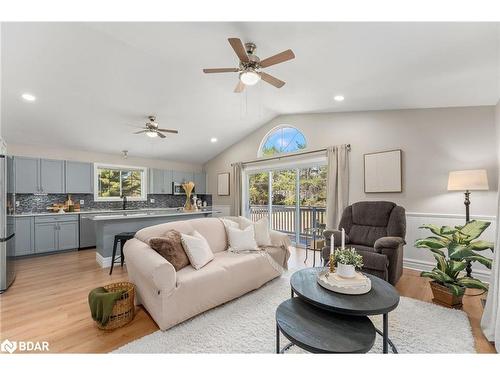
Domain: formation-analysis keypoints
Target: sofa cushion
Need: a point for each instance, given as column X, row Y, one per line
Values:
column 241, row 239
column 197, row 249
column 261, row 229
column 366, row 235
column 170, row 247
column 375, row 213
column 213, row 230
column 159, row 230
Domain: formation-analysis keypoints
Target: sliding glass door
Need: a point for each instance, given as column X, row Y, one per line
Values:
column 294, row 199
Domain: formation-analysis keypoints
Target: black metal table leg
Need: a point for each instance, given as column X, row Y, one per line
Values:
column 291, row 292
column 385, row 333
column 277, row 339
column 386, row 341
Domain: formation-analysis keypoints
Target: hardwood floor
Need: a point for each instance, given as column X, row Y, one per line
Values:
column 48, row 302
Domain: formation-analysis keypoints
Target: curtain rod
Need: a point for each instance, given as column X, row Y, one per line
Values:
column 287, row 156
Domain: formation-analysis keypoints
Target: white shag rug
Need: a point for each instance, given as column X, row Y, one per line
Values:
column 247, row 325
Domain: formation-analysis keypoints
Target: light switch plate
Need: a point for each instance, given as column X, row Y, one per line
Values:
column 151, row 200
column 82, row 201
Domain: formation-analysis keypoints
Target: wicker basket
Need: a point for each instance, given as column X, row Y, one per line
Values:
column 124, row 309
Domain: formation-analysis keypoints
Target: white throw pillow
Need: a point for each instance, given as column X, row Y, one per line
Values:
column 261, row 230
column 197, row 249
column 241, row 240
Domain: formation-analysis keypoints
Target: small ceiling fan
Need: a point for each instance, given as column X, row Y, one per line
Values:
column 152, row 130
column 250, row 65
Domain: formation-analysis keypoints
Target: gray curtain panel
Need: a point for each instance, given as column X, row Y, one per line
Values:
column 337, row 196
column 237, row 167
column 490, row 322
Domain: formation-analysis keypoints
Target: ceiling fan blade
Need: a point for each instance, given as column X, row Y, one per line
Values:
column 169, row 131
column 141, row 131
column 279, row 58
column 272, row 80
column 160, row 135
column 239, row 48
column 221, row 70
column 239, row 87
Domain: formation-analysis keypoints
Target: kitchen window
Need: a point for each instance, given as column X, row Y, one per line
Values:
column 112, row 182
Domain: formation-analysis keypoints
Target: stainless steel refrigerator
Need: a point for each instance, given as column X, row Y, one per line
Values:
column 7, row 223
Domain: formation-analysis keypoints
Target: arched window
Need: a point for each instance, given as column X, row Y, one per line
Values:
column 281, row 140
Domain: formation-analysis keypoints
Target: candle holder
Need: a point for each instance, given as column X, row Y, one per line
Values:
column 332, row 263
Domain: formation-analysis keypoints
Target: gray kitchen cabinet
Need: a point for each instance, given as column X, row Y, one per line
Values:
column 55, row 233
column 160, row 181
column 67, row 235
column 26, row 175
column 51, row 176
column 45, row 237
column 25, row 235
column 200, row 182
column 79, row 177
column 181, row 177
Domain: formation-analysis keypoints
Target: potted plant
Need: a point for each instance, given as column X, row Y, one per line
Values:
column 346, row 262
column 461, row 244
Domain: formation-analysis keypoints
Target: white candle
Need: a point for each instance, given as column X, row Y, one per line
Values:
column 343, row 238
column 331, row 244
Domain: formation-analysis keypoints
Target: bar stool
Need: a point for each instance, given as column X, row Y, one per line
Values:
column 122, row 238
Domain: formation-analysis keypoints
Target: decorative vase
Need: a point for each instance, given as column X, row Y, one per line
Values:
column 444, row 297
column 347, row 271
column 188, row 188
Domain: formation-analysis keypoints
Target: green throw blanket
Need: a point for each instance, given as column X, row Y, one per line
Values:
column 101, row 304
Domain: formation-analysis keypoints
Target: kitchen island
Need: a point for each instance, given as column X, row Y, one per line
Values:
column 109, row 225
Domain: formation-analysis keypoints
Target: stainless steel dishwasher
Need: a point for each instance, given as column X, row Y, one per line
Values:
column 87, row 231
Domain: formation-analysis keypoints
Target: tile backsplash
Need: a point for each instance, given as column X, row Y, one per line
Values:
column 39, row 203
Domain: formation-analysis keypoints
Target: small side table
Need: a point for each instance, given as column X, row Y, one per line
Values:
column 313, row 234
column 120, row 238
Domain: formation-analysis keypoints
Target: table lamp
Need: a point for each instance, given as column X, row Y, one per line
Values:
column 474, row 179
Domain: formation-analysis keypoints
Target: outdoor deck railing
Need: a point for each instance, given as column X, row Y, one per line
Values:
column 283, row 217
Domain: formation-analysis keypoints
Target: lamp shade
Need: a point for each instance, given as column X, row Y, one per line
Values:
column 474, row 179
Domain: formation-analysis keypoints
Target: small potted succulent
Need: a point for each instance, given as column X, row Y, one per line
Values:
column 346, row 262
column 461, row 244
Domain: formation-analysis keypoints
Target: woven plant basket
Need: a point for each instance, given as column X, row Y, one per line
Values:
column 124, row 309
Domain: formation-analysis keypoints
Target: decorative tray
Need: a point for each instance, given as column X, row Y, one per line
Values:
column 360, row 284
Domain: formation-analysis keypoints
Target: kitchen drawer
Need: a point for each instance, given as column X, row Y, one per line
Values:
column 55, row 218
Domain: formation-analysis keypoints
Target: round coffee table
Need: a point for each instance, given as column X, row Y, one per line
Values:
column 320, row 331
column 380, row 300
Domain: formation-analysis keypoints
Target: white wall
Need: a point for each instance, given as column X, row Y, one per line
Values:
column 67, row 154
column 434, row 141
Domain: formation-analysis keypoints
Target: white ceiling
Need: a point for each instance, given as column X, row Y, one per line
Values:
column 95, row 82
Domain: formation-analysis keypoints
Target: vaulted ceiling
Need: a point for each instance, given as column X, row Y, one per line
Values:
column 95, row 83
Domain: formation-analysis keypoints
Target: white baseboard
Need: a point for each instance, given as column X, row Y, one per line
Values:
column 102, row 261
column 422, row 265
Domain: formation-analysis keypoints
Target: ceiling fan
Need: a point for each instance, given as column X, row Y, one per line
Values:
column 250, row 65
column 152, row 130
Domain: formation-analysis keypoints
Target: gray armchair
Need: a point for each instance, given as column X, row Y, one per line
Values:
column 376, row 229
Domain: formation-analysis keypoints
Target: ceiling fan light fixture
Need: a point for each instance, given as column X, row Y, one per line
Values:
column 152, row 134
column 249, row 77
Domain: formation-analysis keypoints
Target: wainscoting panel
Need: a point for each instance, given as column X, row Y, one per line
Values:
column 422, row 259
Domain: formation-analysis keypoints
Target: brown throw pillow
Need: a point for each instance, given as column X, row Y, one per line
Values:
column 170, row 247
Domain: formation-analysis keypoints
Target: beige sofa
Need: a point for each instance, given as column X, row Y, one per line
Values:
column 172, row 297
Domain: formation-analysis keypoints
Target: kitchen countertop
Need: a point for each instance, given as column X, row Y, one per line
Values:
column 114, row 211
column 146, row 214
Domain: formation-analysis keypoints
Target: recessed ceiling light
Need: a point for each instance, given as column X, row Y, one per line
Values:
column 28, row 97
column 213, row 139
column 338, row 98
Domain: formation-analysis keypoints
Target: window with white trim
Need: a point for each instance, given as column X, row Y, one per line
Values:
column 281, row 140
column 112, row 182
